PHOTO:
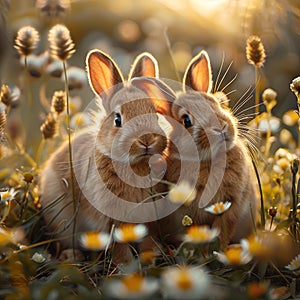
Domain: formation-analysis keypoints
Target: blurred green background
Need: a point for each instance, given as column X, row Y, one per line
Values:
column 172, row 30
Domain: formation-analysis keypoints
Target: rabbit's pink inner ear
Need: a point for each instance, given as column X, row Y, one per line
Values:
column 144, row 65
column 159, row 93
column 198, row 73
column 103, row 73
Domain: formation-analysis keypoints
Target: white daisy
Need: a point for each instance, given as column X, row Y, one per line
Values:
column 94, row 240
column 130, row 233
column 8, row 195
column 133, row 286
column 294, row 264
column 185, row 283
column 182, row 193
column 256, row 247
column 233, row 255
column 218, row 208
column 201, row 234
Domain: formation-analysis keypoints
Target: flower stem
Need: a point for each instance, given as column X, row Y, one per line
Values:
column 70, row 149
column 24, row 202
column 294, row 204
column 279, row 272
column 256, row 94
column 6, row 212
column 171, row 54
column 27, row 87
column 268, row 137
column 298, row 104
column 262, row 206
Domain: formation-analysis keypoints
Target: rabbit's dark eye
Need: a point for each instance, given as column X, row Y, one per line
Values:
column 118, row 120
column 187, row 121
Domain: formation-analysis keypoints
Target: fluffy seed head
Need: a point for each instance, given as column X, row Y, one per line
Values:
column 2, row 150
column 53, row 8
column 3, row 124
column 2, row 120
column 26, row 40
column 5, row 95
column 49, row 127
column 61, row 44
column 295, row 86
column 255, row 51
column 58, row 104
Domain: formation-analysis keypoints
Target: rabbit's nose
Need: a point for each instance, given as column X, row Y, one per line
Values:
column 147, row 140
column 223, row 133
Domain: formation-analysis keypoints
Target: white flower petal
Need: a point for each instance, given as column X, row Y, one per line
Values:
column 130, row 233
column 118, row 290
column 218, row 208
column 185, row 283
column 140, row 230
column 294, row 264
column 94, row 240
column 38, row 258
column 182, row 193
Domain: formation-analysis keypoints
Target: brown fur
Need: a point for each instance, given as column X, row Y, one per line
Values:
column 219, row 151
column 111, row 149
column 238, row 183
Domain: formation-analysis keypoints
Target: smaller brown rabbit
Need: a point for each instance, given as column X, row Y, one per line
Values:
column 206, row 150
column 114, row 161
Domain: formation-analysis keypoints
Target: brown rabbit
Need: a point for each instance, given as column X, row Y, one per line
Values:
column 114, row 162
column 206, row 150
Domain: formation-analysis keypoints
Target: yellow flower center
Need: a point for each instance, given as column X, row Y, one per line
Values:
column 256, row 289
column 5, row 196
column 93, row 241
column 184, row 281
column 147, row 256
column 233, row 255
column 296, row 264
column 197, row 234
column 257, row 248
column 219, row 207
column 128, row 232
column 133, row 282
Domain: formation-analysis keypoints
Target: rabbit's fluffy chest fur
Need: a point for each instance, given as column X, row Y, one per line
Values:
column 236, row 186
column 88, row 178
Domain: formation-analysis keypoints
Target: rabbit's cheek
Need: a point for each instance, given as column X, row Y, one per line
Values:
column 135, row 150
column 201, row 139
column 105, row 140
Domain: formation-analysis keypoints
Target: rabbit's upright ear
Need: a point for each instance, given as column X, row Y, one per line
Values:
column 158, row 92
column 198, row 74
column 144, row 65
column 103, row 73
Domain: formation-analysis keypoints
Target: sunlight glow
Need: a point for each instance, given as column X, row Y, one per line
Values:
column 208, row 7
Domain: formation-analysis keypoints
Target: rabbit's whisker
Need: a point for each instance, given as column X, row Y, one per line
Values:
column 242, row 101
